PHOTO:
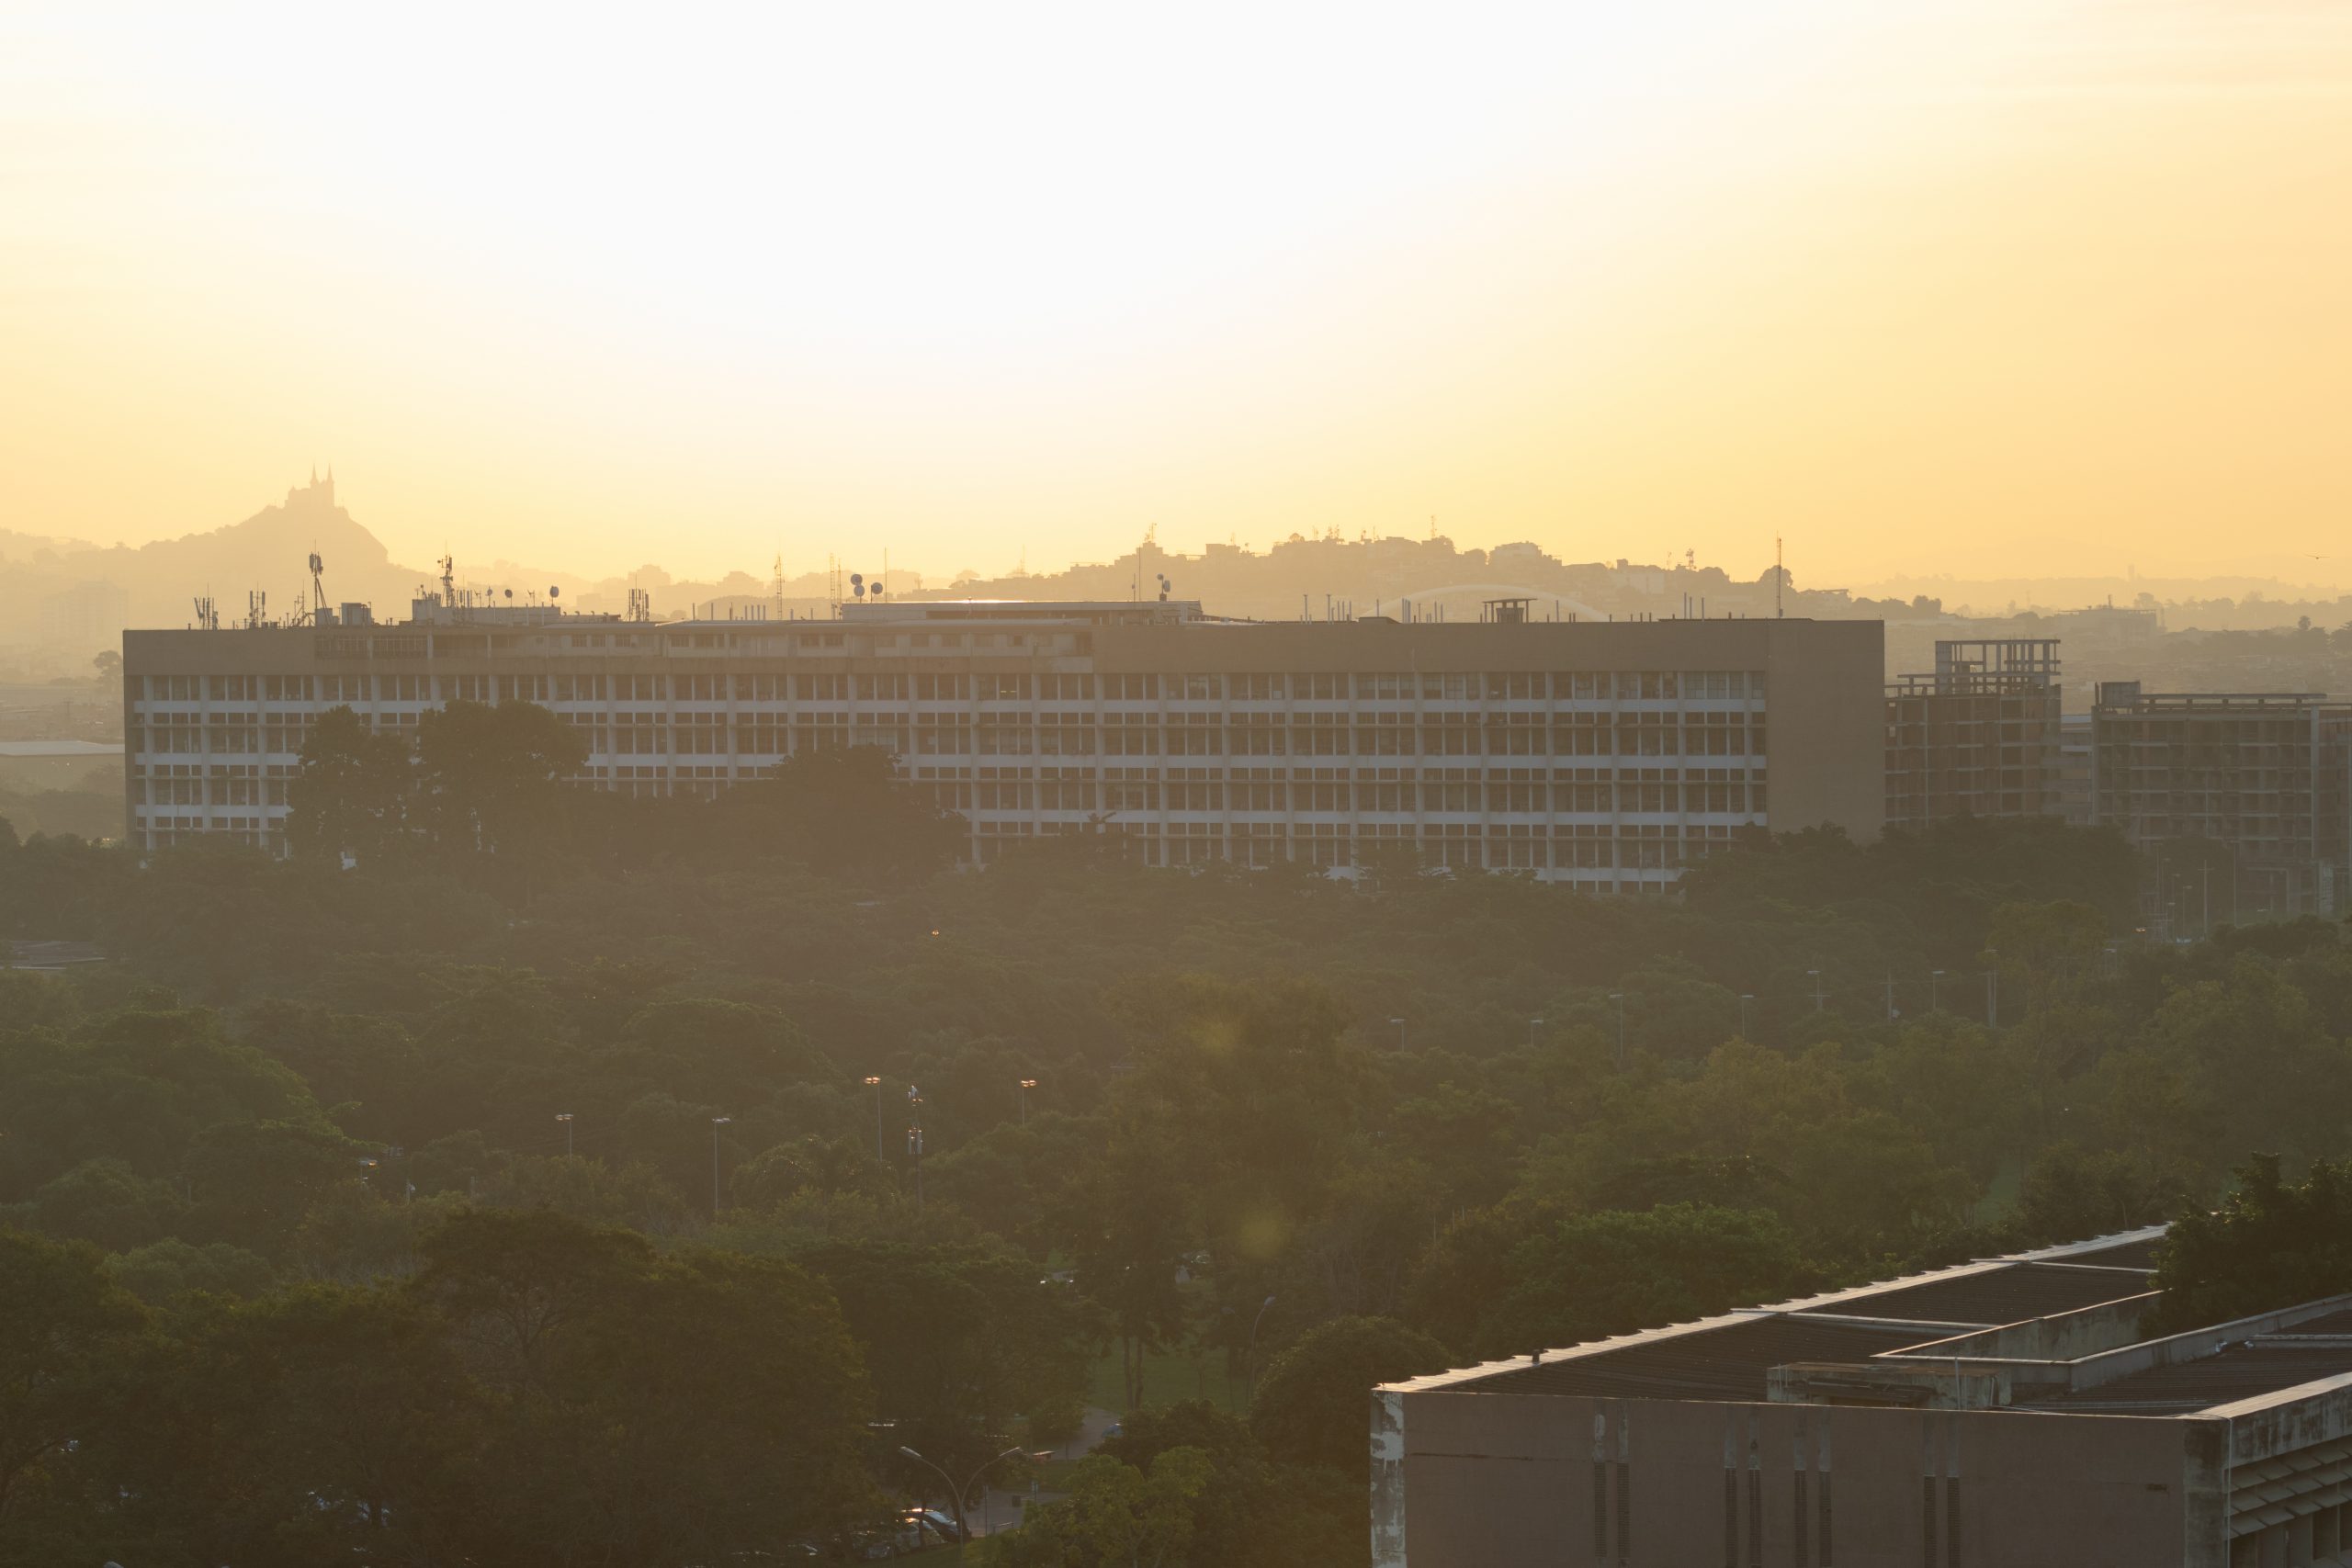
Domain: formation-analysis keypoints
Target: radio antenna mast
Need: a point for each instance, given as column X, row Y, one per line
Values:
column 1780, row 577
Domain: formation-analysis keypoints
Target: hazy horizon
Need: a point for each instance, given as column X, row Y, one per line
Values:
column 1949, row 292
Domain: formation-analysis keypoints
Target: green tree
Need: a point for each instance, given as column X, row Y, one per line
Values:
column 66, row 1334
column 839, row 810
column 1590, row 1276
column 354, row 796
column 2070, row 1194
column 1313, row 1406
column 2271, row 1243
column 647, row 1409
column 1114, row 1516
column 496, row 780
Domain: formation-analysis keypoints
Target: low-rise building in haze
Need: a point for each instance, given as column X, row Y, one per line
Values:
column 1608, row 755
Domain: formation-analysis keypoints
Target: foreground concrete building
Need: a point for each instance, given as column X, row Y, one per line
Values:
column 2008, row 1413
column 1610, row 755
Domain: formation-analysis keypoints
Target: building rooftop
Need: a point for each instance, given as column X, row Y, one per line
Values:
column 2259, row 1364
column 2012, row 1292
column 2056, row 1331
column 1729, row 1359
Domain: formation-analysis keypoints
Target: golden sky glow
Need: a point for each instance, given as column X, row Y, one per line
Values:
column 2041, row 284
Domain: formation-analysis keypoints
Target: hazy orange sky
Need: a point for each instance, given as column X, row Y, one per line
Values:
column 1926, row 287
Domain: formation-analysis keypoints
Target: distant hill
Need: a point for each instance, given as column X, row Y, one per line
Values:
column 61, row 591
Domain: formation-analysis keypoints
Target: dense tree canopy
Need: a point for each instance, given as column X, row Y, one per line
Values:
column 587, row 1115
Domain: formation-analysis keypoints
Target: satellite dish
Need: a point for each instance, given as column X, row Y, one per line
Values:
column 555, row 592
column 857, row 576
column 510, row 593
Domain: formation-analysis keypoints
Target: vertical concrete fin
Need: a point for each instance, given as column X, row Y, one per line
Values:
column 1388, row 1479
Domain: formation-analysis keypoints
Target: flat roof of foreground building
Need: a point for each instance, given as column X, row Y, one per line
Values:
column 2010, row 1404
column 2047, row 1427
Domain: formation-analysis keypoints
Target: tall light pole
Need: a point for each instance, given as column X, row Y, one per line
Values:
column 1532, row 1025
column 956, row 1492
column 875, row 1085
column 1619, row 997
column 914, row 1143
column 1814, row 976
column 1399, row 1022
column 715, row 1124
column 1933, row 975
column 1744, row 998
column 1249, row 1357
column 1992, row 998
column 1026, row 1085
column 565, row 1117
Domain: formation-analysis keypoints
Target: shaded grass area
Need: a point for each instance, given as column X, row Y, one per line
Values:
column 1183, row 1372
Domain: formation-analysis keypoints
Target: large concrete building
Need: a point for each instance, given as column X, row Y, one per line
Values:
column 2241, row 801
column 1608, row 755
column 2005, row 1414
column 1977, row 738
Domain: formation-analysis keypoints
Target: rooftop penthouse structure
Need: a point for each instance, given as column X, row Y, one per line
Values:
column 2008, row 1412
column 1607, row 754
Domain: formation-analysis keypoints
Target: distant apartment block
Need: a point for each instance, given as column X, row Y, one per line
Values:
column 1978, row 738
column 2241, row 801
column 86, row 616
column 1607, row 755
column 2010, row 1413
column 2075, row 770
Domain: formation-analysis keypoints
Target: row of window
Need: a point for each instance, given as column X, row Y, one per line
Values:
column 1087, row 795
column 1399, row 797
column 1623, row 685
column 710, row 734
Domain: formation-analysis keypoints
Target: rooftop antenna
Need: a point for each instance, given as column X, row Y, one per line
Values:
column 318, row 584
column 779, row 585
column 448, row 582
column 1780, row 577
column 208, row 618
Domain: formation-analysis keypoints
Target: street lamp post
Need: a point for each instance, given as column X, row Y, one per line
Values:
column 914, row 1145
column 1249, row 1357
column 1744, row 998
column 1818, row 995
column 565, row 1117
column 1619, row 997
column 1026, row 1085
column 954, row 1492
column 715, row 1124
column 1532, row 1025
column 1399, row 1022
column 1933, row 975
column 875, row 1085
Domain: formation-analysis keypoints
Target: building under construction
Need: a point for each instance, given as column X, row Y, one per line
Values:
column 1978, row 738
column 2242, row 802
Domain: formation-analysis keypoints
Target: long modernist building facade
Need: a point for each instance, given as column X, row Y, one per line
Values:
column 1606, row 754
